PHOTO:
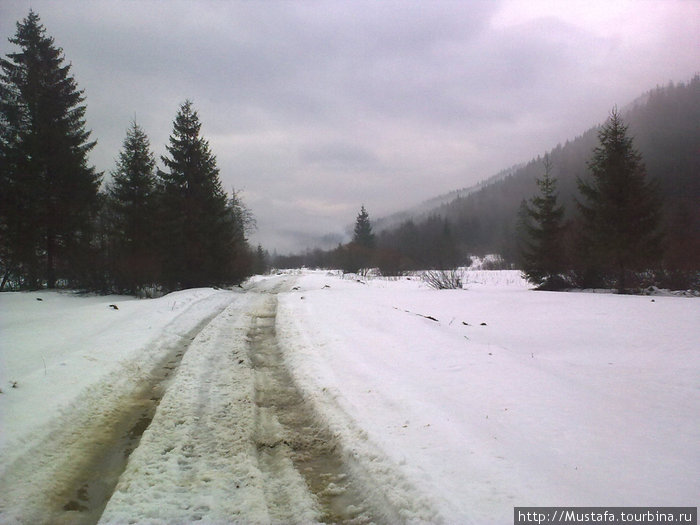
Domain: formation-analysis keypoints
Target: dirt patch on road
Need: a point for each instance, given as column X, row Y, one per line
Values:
column 69, row 478
column 287, row 429
column 87, row 494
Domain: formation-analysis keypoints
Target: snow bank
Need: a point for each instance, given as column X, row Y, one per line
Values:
column 57, row 346
column 498, row 396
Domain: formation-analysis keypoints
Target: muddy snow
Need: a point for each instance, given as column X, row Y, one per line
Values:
column 307, row 397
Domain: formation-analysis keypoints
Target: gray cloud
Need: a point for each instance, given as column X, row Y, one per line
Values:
column 314, row 108
column 338, row 155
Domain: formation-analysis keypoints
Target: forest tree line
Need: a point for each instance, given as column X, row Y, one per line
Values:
column 661, row 132
column 147, row 229
column 177, row 227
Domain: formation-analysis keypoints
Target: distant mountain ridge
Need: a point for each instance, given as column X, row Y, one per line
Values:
column 665, row 125
column 431, row 205
column 426, row 207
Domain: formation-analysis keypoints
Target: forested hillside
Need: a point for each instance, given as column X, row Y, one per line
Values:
column 665, row 127
column 661, row 133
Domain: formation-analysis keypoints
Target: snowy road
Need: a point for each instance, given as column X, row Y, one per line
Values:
column 228, row 438
column 309, row 397
column 64, row 470
column 233, row 440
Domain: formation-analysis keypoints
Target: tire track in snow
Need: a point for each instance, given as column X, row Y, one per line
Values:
column 233, row 440
column 292, row 441
column 70, row 477
column 197, row 461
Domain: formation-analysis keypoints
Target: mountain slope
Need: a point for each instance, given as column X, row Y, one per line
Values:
column 427, row 207
column 665, row 124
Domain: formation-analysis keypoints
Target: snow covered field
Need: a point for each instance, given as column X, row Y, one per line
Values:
column 441, row 406
column 56, row 345
column 512, row 397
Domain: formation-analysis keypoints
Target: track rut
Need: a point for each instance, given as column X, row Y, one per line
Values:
column 290, row 435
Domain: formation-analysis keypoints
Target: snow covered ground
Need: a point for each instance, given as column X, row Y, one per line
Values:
column 512, row 397
column 56, row 345
column 76, row 362
column 446, row 406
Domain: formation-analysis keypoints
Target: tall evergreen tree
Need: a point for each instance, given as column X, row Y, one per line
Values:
column 542, row 252
column 199, row 227
column 131, row 197
column 359, row 253
column 363, row 235
column 622, row 211
column 50, row 192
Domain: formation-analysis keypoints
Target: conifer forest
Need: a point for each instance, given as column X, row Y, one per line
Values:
column 146, row 229
column 617, row 207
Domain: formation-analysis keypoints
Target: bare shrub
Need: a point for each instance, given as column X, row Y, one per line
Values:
column 443, row 279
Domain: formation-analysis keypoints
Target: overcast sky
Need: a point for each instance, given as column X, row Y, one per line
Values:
column 313, row 108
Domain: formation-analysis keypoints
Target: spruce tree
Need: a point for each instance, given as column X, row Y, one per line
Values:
column 541, row 252
column 199, row 228
column 131, row 196
column 621, row 212
column 363, row 235
column 50, row 192
column 359, row 253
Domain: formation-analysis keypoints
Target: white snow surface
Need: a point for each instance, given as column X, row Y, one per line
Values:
column 556, row 399
column 57, row 348
column 456, row 405
column 74, row 361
